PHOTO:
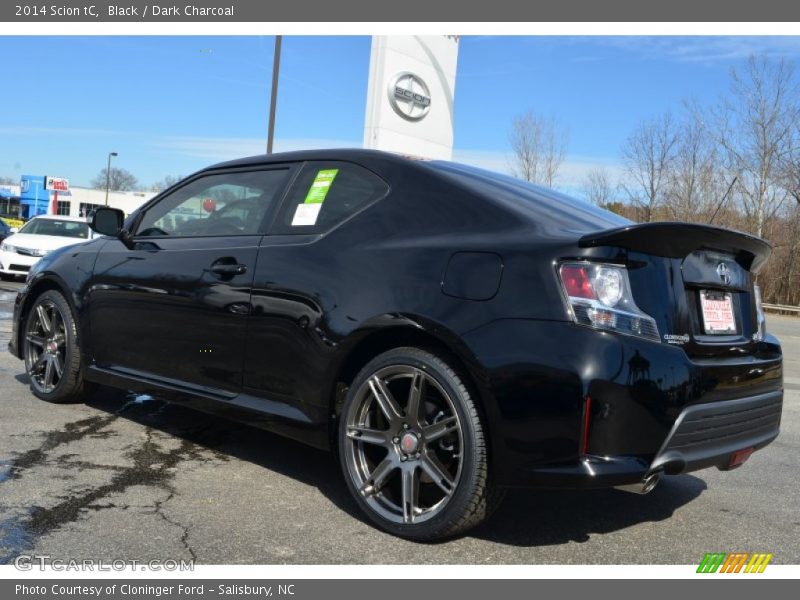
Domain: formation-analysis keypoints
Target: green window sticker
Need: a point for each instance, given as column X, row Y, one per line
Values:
column 307, row 213
column 320, row 186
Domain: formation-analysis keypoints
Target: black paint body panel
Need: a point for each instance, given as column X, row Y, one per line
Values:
column 473, row 275
column 453, row 258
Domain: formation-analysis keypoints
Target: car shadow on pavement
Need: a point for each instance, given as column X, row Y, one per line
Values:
column 230, row 439
column 552, row 517
column 525, row 517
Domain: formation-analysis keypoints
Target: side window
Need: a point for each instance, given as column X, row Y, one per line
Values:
column 216, row 205
column 327, row 193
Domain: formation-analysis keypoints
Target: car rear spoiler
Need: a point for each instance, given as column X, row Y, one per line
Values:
column 676, row 240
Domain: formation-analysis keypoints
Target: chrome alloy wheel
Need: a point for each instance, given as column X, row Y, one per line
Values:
column 404, row 459
column 45, row 346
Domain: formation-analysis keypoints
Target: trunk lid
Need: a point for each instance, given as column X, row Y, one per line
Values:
column 695, row 280
column 677, row 240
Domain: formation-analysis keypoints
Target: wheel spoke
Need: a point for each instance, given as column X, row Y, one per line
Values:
column 440, row 429
column 47, row 382
column 436, row 471
column 415, row 396
column 410, row 493
column 55, row 322
column 44, row 320
column 36, row 340
column 368, row 436
column 378, row 477
column 58, row 365
column 385, row 399
column 39, row 363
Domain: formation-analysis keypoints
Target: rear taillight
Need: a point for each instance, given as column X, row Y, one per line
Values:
column 599, row 296
column 762, row 319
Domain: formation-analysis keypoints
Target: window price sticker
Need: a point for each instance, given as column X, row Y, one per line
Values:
column 307, row 213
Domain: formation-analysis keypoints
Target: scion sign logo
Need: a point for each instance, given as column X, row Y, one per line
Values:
column 409, row 96
column 724, row 273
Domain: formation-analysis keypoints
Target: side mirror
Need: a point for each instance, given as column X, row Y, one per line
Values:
column 107, row 221
column 14, row 230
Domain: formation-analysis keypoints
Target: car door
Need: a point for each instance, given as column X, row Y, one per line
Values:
column 173, row 304
column 297, row 284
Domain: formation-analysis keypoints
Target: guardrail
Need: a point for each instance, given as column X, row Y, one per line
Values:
column 782, row 308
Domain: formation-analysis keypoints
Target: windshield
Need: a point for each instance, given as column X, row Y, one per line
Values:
column 57, row 227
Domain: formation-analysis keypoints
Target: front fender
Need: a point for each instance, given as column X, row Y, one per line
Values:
column 67, row 270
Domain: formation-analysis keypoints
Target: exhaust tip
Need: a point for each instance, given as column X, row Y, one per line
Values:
column 645, row 486
column 650, row 482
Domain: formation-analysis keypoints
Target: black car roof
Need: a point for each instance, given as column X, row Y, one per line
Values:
column 351, row 154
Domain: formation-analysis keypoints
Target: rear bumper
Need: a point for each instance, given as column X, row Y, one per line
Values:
column 704, row 435
column 653, row 408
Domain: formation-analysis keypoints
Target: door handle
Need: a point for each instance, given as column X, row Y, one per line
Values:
column 227, row 270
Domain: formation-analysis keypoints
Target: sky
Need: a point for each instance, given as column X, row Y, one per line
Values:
column 172, row 105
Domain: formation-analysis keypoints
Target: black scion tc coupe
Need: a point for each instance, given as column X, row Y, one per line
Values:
column 448, row 331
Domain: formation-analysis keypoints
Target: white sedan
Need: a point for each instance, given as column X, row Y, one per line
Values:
column 40, row 235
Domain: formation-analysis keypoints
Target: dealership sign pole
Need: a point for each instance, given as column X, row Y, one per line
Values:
column 55, row 185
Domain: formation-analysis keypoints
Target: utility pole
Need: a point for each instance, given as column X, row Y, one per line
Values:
column 276, row 65
column 108, row 174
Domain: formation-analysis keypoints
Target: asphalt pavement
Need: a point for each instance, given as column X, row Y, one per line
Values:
column 131, row 478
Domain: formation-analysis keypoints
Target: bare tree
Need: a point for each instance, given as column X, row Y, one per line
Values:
column 120, row 180
column 755, row 128
column 597, row 187
column 696, row 180
column 648, row 155
column 790, row 165
column 783, row 270
column 788, row 289
column 791, row 181
column 165, row 183
column 735, row 163
column 539, row 145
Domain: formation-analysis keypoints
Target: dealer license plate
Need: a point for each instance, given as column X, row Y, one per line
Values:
column 718, row 315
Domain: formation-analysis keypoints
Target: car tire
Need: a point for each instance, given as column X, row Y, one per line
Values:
column 51, row 350
column 420, row 475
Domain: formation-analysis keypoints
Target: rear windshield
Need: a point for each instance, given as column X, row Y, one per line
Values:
column 73, row 229
column 532, row 198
